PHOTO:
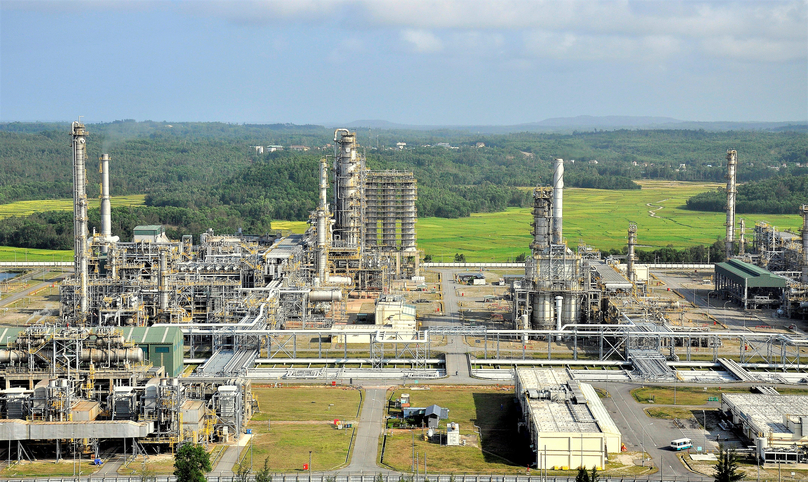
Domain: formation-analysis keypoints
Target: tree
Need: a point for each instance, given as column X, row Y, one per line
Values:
column 242, row 472
column 727, row 468
column 594, row 476
column 191, row 463
column 427, row 258
column 460, row 258
column 583, row 475
column 521, row 258
column 263, row 475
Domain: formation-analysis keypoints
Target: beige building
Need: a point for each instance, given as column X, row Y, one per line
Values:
column 568, row 425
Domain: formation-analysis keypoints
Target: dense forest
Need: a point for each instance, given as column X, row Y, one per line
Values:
column 199, row 175
column 779, row 195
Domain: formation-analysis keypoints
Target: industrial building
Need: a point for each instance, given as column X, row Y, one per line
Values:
column 566, row 422
column 776, row 424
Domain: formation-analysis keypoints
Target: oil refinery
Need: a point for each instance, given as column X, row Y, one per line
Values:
column 159, row 340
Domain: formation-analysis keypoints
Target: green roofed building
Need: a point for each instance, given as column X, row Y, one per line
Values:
column 162, row 346
column 749, row 285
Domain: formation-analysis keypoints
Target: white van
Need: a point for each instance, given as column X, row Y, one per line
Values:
column 681, row 444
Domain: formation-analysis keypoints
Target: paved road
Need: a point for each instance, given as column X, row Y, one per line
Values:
column 16, row 296
column 643, row 432
column 371, row 424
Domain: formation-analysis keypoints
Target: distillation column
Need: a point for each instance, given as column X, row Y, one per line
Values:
column 732, row 164
column 348, row 167
column 804, row 214
column 632, row 242
column 742, row 239
column 542, row 207
column 322, row 227
column 79, row 145
column 558, row 197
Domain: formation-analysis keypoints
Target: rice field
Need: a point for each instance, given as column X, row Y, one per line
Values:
column 24, row 208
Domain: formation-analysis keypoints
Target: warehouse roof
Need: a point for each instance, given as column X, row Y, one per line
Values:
column 548, row 403
column 753, row 276
column 149, row 229
column 765, row 413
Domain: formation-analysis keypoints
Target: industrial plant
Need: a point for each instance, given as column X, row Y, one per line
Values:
column 159, row 340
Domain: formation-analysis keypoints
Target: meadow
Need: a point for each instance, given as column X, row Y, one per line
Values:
column 596, row 217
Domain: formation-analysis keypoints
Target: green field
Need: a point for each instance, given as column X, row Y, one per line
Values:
column 596, row 217
column 23, row 208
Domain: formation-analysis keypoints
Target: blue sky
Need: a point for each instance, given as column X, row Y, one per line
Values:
column 459, row 62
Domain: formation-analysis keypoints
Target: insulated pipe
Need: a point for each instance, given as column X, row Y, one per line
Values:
column 79, row 145
column 11, row 356
column 133, row 355
column 732, row 165
column 558, row 198
column 558, row 304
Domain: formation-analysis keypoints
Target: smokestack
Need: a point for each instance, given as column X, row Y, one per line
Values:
column 322, row 227
column 558, row 199
column 804, row 213
column 80, row 214
column 106, row 212
column 632, row 241
column 732, row 164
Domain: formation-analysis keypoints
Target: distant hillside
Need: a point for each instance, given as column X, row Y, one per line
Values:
column 780, row 195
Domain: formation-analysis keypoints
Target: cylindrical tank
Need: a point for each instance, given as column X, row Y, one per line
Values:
column 569, row 314
column 542, row 311
column 325, row 295
column 11, row 356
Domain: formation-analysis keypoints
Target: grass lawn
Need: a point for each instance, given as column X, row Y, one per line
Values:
column 684, row 395
column 669, row 412
column 7, row 253
column 493, row 411
column 306, row 403
column 287, row 446
column 162, row 464
column 41, row 469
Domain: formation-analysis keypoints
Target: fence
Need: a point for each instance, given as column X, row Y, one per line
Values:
column 375, row 477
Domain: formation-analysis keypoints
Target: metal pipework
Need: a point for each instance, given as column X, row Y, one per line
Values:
column 632, row 241
column 732, row 165
column 132, row 355
column 558, row 199
column 163, row 282
column 79, row 145
column 804, row 214
column 558, row 305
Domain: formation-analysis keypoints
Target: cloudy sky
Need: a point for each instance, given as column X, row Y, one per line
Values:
column 428, row 62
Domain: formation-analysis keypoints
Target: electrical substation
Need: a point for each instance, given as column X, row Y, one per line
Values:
column 159, row 340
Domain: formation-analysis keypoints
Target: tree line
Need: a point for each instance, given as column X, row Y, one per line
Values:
column 780, row 195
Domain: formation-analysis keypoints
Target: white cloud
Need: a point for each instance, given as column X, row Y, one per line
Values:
column 572, row 46
column 422, row 40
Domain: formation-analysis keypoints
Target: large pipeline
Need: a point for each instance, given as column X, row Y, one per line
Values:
column 558, row 199
column 132, row 355
column 732, row 165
